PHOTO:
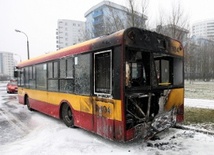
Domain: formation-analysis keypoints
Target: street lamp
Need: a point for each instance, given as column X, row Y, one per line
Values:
column 28, row 54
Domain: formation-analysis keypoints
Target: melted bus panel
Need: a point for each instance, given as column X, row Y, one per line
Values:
column 154, row 83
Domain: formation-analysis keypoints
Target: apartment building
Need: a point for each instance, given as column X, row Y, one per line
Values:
column 6, row 64
column 107, row 17
column 69, row 32
column 204, row 29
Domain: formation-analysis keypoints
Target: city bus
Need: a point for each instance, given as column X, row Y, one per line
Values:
column 122, row 86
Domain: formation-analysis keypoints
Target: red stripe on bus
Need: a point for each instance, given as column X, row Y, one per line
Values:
column 103, row 126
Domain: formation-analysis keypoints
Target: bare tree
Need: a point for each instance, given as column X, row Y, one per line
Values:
column 190, row 61
column 131, row 13
column 160, row 22
column 84, row 34
column 116, row 19
column 206, row 53
column 144, row 11
column 177, row 19
column 199, row 60
column 113, row 21
column 134, row 17
column 176, row 24
column 144, row 6
column 212, row 61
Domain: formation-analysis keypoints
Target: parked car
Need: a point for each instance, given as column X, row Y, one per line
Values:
column 12, row 86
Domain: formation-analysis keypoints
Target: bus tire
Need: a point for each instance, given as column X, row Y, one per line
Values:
column 67, row 115
column 28, row 103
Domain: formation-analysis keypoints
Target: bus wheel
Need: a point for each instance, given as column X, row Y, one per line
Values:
column 28, row 103
column 67, row 115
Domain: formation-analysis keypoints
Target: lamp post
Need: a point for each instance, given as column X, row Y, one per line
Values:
column 28, row 54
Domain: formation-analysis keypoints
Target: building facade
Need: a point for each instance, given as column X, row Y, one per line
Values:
column 6, row 64
column 204, row 29
column 107, row 17
column 69, row 32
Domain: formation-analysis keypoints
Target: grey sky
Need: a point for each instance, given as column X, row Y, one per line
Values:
column 38, row 19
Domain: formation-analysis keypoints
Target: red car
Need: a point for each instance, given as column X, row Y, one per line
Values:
column 12, row 87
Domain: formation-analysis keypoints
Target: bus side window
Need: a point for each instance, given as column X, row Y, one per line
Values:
column 137, row 68
column 163, row 71
column 103, row 73
column 41, row 76
column 82, row 81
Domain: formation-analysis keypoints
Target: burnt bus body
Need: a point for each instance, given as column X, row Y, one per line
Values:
column 154, row 83
column 122, row 86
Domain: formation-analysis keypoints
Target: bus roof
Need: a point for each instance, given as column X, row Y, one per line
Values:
column 93, row 44
column 151, row 41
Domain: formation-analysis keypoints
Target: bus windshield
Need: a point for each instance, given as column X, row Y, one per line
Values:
column 152, row 69
column 137, row 68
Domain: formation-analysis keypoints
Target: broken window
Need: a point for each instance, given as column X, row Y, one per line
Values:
column 137, row 68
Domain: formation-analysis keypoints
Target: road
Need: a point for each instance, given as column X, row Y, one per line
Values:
column 14, row 122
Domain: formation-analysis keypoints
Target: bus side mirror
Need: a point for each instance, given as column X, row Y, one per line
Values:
column 15, row 74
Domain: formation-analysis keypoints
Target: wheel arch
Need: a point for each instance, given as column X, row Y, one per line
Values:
column 60, row 108
column 25, row 98
column 66, row 114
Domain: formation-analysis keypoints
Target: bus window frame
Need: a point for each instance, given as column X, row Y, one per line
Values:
column 160, row 61
column 110, row 78
column 54, row 75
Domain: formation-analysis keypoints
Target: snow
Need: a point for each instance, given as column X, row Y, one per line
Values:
column 199, row 103
column 56, row 139
column 39, row 134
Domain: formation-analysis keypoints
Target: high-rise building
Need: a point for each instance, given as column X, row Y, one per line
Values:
column 204, row 29
column 107, row 17
column 69, row 32
column 6, row 64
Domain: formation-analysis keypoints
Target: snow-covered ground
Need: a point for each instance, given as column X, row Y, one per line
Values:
column 199, row 103
column 23, row 132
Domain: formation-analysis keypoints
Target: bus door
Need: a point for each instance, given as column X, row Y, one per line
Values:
column 103, row 102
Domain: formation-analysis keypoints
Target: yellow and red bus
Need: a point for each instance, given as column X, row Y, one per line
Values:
column 122, row 86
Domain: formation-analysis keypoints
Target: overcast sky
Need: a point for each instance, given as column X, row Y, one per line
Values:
column 38, row 19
